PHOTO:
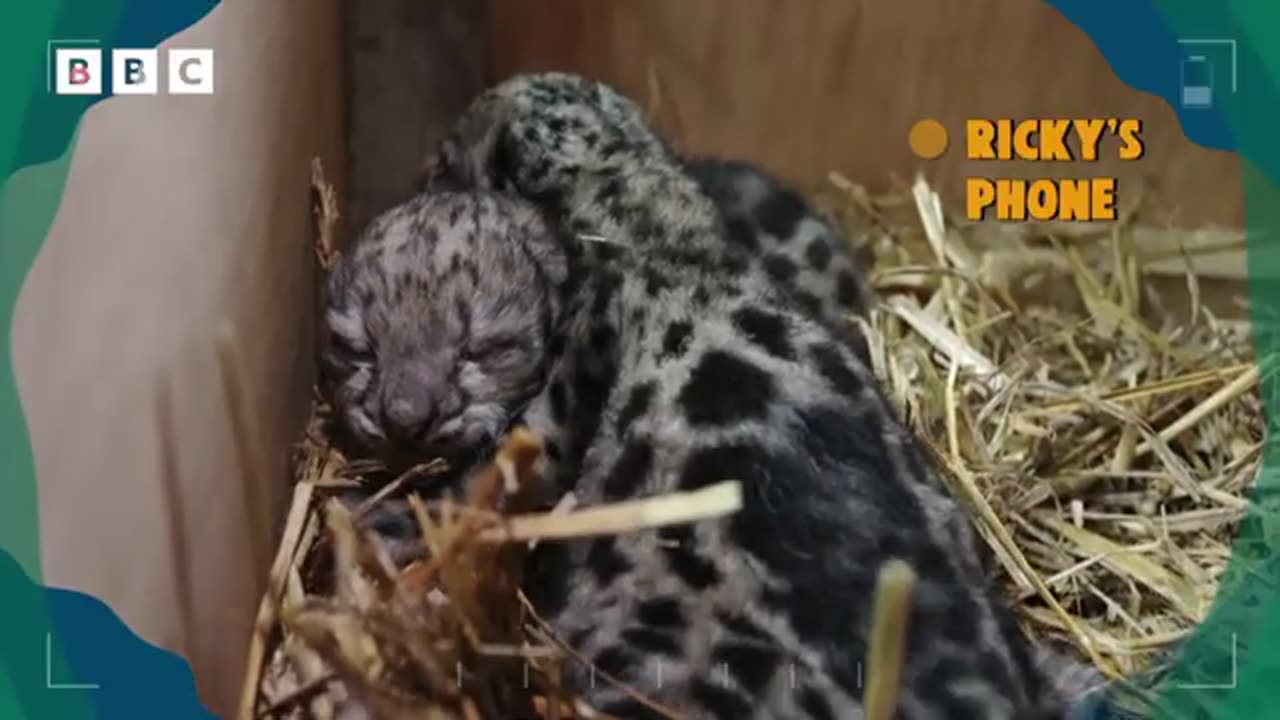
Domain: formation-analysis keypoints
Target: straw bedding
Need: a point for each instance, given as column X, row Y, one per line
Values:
column 1105, row 445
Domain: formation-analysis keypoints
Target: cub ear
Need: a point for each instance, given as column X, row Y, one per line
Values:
column 335, row 284
column 468, row 159
column 431, row 177
column 544, row 241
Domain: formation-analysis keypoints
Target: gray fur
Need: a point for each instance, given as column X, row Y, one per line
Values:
column 434, row 341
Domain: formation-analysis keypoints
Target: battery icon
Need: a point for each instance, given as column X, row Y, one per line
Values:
column 1197, row 82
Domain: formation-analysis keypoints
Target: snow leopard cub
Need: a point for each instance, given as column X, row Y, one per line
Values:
column 680, row 364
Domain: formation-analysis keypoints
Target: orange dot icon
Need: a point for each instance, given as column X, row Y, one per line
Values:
column 928, row 139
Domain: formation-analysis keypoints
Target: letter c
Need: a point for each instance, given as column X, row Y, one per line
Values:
column 187, row 77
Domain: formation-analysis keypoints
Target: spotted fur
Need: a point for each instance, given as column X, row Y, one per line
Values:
column 681, row 363
column 796, row 244
column 769, row 226
column 434, row 340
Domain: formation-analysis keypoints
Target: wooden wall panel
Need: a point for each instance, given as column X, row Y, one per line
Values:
column 412, row 66
column 809, row 86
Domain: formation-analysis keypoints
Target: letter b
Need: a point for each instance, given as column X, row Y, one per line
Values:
column 78, row 72
column 133, row 71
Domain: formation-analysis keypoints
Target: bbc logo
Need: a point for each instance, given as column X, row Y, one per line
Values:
column 79, row 71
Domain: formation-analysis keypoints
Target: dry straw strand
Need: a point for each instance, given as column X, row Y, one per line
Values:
column 1058, row 383
column 671, row 509
column 291, row 543
column 886, row 651
column 326, row 213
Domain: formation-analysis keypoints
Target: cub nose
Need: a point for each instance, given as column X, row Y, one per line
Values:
column 409, row 418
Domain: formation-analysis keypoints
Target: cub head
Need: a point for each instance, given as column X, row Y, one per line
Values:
column 437, row 324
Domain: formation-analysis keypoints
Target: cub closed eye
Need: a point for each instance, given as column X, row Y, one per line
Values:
column 494, row 346
column 343, row 345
